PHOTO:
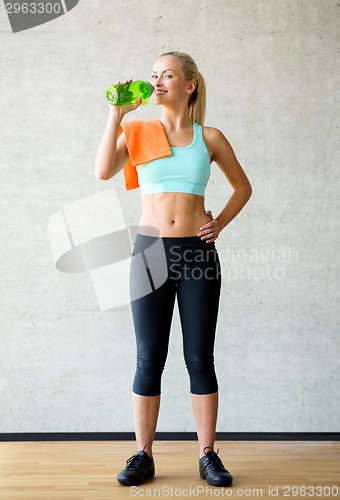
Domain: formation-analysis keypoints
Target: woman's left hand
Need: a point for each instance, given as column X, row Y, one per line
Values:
column 210, row 231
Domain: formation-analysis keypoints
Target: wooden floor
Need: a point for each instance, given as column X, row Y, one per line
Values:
column 88, row 469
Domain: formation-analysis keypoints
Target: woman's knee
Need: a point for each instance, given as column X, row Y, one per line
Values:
column 150, row 365
column 147, row 381
column 202, row 374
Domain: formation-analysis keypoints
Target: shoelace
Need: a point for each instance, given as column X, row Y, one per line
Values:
column 136, row 460
column 213, row 460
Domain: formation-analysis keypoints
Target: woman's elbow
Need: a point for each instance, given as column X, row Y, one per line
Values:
column 101, row 174
column 246, row 189
column 102, row 178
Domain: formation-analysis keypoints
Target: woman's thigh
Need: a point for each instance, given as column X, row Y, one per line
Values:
column 198, row 295
column 152, row 312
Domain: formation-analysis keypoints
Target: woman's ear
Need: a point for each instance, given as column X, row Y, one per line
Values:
column 191, row 86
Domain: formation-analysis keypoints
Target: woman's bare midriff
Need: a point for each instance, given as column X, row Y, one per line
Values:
column 172, row 214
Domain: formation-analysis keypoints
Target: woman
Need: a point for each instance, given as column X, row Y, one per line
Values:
column 174, row 205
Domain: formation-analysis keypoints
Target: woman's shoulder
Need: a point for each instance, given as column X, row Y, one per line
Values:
column 211, row 132
column 213, row 137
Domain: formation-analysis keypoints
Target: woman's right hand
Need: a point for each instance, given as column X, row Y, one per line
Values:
column 121, row 111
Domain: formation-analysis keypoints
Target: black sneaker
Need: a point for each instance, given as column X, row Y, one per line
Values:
column 212, row 469
column 138, row 468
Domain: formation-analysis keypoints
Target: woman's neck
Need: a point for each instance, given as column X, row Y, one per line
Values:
column 176, row 119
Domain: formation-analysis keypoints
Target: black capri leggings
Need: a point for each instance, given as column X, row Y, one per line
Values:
column 162, row 268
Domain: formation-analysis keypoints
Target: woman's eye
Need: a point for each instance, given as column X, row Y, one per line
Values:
column 155, row 76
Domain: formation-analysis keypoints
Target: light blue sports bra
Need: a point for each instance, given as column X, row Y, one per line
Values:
column 186, row 171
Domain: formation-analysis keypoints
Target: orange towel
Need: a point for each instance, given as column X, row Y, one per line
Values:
column 145, row 141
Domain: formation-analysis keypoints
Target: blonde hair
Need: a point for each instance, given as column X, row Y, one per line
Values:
column 197, row 100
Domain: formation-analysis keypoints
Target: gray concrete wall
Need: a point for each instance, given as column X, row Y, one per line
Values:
column 271, row 70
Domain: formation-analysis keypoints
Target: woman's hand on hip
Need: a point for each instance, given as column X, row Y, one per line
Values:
column 210, row 231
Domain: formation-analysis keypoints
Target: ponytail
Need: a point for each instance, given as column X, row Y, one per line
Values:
column 197, row 101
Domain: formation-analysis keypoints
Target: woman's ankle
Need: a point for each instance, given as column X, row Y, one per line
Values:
column 147, row 450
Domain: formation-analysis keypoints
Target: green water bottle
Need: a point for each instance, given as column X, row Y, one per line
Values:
column 129, row 93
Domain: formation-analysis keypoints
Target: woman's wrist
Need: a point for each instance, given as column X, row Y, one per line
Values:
column 115, row 115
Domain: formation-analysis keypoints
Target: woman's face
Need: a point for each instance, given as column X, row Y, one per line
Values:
column 168, row 78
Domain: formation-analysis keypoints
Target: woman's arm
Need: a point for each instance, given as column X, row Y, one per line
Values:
column 112, row 154
column 222, row 153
